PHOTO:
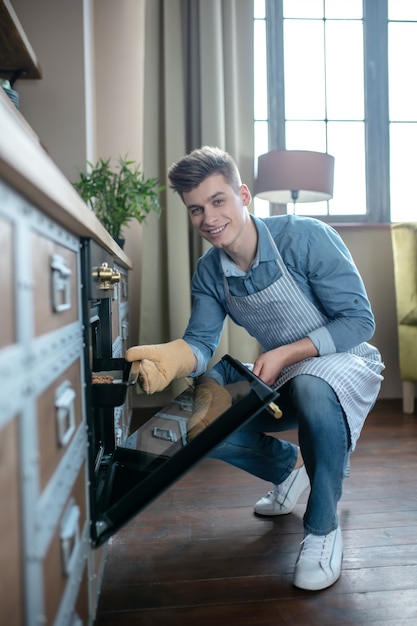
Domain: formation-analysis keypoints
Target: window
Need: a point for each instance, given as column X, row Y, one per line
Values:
column 334, row 76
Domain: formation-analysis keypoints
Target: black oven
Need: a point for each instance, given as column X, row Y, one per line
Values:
column 125, row 478
column 98, row 279
column 98, row 283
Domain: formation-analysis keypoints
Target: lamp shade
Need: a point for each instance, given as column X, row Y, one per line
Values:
column 289, row 175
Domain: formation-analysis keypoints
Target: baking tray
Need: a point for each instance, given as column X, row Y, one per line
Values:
column 111, row 394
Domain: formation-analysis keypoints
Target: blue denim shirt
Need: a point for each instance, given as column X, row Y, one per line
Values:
column 317, row 260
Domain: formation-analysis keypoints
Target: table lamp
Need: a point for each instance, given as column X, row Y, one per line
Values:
column 295, row 176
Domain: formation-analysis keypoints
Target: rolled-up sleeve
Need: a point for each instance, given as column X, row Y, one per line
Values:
column 207, row 316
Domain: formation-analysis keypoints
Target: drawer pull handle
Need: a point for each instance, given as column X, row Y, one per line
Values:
column 65, row 412
column 70, row 536
column 61, row 285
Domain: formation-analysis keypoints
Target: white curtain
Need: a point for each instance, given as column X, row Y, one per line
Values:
column 198, row 90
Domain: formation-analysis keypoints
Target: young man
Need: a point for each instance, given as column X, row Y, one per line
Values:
column 291, row 283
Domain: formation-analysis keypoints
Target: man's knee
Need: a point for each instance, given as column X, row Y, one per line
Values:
column 307, row 390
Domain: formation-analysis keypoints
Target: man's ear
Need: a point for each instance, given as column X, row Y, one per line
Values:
column 245, row 195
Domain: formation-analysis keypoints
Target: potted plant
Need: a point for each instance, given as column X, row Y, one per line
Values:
column 119, row 194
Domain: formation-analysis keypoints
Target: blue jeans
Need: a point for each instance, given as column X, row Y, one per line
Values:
column 309, row 404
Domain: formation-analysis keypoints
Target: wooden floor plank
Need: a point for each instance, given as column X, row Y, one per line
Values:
column 314, row 610
column 199, row 555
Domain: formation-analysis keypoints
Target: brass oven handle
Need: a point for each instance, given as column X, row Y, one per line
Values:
column 115, row 278
column 106, row 276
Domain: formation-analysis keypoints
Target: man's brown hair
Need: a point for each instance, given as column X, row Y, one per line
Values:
column 191, row 170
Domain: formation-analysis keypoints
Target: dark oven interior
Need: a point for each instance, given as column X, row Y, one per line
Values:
column 98, row 340
column 99, row 279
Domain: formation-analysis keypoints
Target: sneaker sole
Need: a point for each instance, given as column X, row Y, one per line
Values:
column 317, row 586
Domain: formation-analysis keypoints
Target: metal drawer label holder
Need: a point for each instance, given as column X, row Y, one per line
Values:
column 61, row 285
column 65, row 412
column 70, row 536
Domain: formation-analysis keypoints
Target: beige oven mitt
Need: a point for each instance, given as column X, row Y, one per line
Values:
column 161, row 363
column 210, row 401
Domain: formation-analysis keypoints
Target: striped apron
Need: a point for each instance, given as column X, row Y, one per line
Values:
column 281, row 314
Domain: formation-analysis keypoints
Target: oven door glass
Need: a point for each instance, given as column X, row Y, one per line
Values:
column 160, row 452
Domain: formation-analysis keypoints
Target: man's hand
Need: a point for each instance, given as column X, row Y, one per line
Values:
column 161, row 363
column 269, row 365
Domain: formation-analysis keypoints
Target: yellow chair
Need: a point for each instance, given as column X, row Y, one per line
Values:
column 404, row 245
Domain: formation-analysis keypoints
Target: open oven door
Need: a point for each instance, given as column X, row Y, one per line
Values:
column 159, row 453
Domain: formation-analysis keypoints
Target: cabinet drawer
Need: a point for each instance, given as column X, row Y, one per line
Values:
column 56, row 298
column 60, row 561
column 7, row 306
column 59, row 410
column 11, row 588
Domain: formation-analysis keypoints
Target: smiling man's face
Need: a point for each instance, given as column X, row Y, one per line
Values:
column 217, row 211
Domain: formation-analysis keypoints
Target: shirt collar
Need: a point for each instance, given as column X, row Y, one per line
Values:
column 266, row 251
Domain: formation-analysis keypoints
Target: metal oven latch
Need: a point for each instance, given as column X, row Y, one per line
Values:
column 106, row 276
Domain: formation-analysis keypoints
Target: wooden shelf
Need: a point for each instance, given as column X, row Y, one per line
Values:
column 17, row 58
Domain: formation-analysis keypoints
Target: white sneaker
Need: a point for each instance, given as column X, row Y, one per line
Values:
column 319, row 562
column 283, row 497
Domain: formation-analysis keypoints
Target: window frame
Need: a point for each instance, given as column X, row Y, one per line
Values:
column 376, row 121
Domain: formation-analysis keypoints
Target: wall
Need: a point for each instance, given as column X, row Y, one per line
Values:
column 119, row 57
column 88, row 104
column 57, row 108
column 54, row 106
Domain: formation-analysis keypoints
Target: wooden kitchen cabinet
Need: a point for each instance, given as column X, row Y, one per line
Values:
column 51, row 574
